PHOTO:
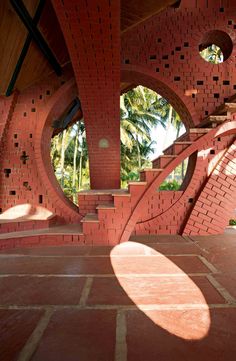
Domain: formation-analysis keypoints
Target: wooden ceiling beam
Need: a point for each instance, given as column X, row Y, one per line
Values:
column 25, row 17
column 24, row 50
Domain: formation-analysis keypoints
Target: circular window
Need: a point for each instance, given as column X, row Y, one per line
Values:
column 216, row 46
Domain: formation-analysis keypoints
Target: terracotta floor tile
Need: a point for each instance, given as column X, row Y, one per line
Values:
column 78, row 336
column 158, row 265
column 185, row 248
column 53, row 265
column 16, row 327
column 40, row 290
column 158, row 238
column 182, row 335
column 49, row 251
column 228, row 281
column 150, row 290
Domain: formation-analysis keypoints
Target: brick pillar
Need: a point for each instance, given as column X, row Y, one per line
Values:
column 92, row 34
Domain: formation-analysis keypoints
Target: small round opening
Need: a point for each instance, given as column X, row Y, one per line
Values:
column 216, row 47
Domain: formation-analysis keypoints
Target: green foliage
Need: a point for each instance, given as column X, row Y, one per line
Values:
column 232, row 222
column 212, row 54
column 170, row 186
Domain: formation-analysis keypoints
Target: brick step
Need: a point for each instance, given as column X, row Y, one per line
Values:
column 136, row 187
column 148, row 174
column 90, row 218
column 213, row 121
column 176, row 148
column 228, row 107
column 162, row 161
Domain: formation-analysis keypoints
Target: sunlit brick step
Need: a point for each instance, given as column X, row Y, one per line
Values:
column 54, row 236
column 162, row 161
column 24, row 224
column 148, row 174
column 213, row 121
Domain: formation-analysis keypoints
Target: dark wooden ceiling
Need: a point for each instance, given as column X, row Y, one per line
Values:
column 35, row 66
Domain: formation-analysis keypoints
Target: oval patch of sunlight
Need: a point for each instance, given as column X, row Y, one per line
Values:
column 161, row 290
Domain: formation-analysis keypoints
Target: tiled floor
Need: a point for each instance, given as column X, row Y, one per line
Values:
column 157, row 299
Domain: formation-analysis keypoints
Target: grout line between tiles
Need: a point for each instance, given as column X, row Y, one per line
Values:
column 121, row 332
column 86, row 291
column 34, row 339
column 223, row 292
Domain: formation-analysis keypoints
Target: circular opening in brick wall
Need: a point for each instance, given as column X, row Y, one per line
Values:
column 149, row 126
column 216, row 47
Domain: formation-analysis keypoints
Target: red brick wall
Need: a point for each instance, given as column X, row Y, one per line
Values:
column 28, row 135
column 167, row 46
column 92, row 34
column 216, row 203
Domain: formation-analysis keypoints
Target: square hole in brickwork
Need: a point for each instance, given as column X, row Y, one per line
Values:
column 32, row 101
column 215, row 78
column 159, row 40
column 40, row 97
column 15, row 136
column 40, row 199
column 234, row 26
column 12, row 193
column 190, row 200
column 221, row 10
column 157, row 70
column 193, row 95
column 31, row 135
column 165, row 57
column 234, row 87
column 186, row 44
column 33, row 110
column 216, row 95
column 7, row 172
column 152, row 57
column 219, row 139
column 48, row 92
column 182, row 57
column 25, row 114
column 167, row 66
column 178, row 48
column 16, row 145
column 206, row 112
column 200, row 82
column 226, row 99
column 230, row 22
column 226, row 82
column 177, row 78
column 126, row 61
column 212, row 151
column 0, row 210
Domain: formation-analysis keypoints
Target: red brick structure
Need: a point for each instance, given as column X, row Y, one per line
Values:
column 160, row 52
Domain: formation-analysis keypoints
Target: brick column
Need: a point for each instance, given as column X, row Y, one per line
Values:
column 92, row 34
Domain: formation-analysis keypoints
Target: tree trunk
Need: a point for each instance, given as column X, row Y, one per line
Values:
column 63, row 142
column 139, row 155
column 80, row 165
column 74, row 166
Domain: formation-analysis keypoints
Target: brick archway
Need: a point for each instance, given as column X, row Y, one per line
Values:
column 139, row 75
column 55, row 107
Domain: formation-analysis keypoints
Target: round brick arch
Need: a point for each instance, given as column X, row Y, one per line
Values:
column 139, row 75
column 59, row 101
